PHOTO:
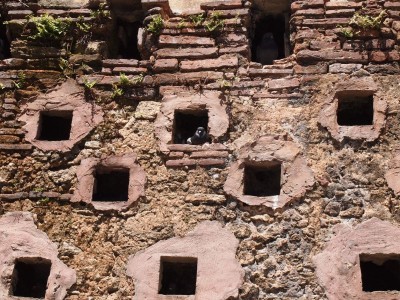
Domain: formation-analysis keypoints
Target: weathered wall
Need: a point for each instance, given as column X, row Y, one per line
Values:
column 185, row 184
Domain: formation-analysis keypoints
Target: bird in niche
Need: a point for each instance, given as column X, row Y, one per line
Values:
column 199, row 138
column 267, row 49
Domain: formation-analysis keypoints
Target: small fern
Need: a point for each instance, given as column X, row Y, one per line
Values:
column 156, row 25
column 48, row 28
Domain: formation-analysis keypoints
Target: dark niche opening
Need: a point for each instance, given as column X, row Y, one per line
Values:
column 54, row 125
column 111, row 184
column 30, row 276
column 380, row 272
column 178, row 275
column 4, row 41
column 271, row 39
column 354, row 110
column 262, row 181
column 127, row 39
column 186, row 125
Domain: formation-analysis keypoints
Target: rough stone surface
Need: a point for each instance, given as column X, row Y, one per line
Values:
column 296, row 176
column 219, row 274
column 360, row 86
column 85, row 176
column 20, row 238
column 68, row 97
column 210, row 101
column 338, row 265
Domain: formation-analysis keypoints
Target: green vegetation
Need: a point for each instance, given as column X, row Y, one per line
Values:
column 197, row 20
column 124, row 83
column 368, row 22
column 48, row 28
column 347, row 32
column 20, row 83
column 156, row 25
column 89, row 84
column 214, row 22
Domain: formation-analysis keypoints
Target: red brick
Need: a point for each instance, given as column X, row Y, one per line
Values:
column 129, row 70
column 181, row 163
column 209, row 64
column 199, row 154
column 231, row 4
column 279, row 84
column 15, row 147
column 165, row 65
column 180, row 41
column 211, row 162
column 187, row 53
column 308, row 56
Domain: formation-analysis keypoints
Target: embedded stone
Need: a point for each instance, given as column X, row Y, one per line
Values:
column 286, row 165
column 94, row 176
column 22, row 242
column 339, row 265
column 210, row 247
column 81, row 115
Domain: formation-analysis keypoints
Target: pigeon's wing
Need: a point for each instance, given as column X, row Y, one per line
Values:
column 267, row 52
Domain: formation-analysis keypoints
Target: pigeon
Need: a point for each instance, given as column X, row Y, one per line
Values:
column 199, row 138
column 267, row 49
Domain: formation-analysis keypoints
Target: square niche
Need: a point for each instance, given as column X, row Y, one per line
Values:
column 380, row 273
column 54, row 125
column 29, row 278
column 178, row 275
column 186, row 122
column 355, row 110
column 262, row 181
column 110, row 184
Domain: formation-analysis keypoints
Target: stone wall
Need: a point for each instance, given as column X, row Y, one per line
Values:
column 126, row 111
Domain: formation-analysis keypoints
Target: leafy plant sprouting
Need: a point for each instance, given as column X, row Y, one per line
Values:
column 124, row 82
column 156, row 25
column 89, row 84
column 368, row 22
column 347, row 32
column 48, row 28
column 101, row 14
column 20, row 83
column 117, row 91
column 138, row 79
column 197, row 20
column 214, row 22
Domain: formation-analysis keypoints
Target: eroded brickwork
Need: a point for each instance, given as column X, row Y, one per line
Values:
column 328, row 44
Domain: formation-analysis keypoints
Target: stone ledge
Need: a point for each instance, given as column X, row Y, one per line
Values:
column 22, row 147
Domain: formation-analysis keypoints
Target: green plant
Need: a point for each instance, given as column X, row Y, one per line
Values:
column 117, row 92
column 197, row 20
column 368, row 22
column 181, row 24
column 20, row 83
column 89, row 84
column 214, row 22
column 156, row 25
column 48, row 28
column 346, row 32
column 124, row 80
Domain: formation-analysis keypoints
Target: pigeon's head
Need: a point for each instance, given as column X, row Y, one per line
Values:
column 268, row 36
column 200, row 131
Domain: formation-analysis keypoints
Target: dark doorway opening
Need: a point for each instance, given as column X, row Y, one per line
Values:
column 380, row 274
column 178, row 276
column 54, row 125
column 111, row 184
column 186, row 124
column 271, row 39
column 355, row 110
column 4, row 42
column 30, row 277
column 127, row 43
column 262, row 181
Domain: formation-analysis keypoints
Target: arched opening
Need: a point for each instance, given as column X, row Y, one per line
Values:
column 270, row 31
column 127, row 20
column 4, row 41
